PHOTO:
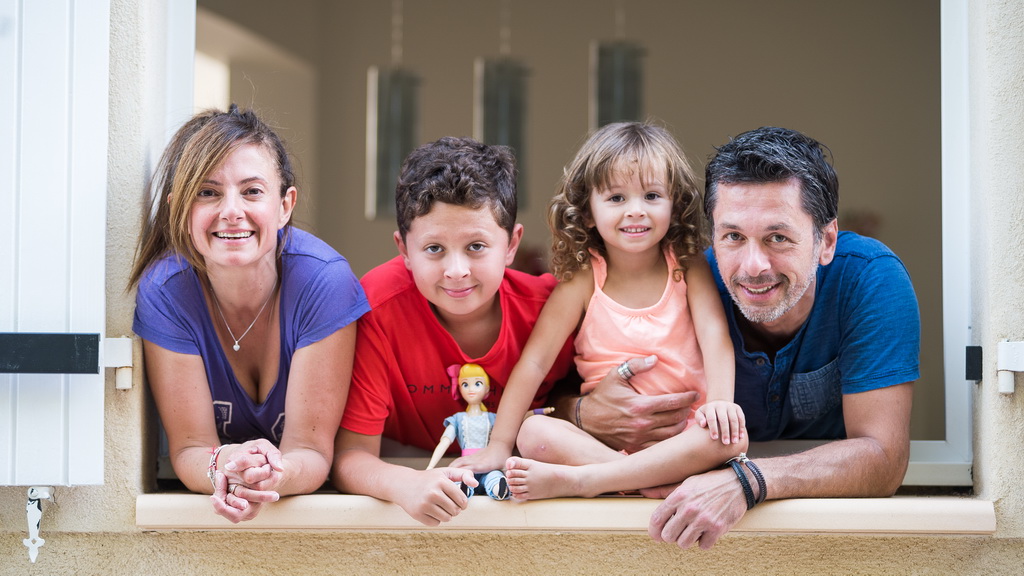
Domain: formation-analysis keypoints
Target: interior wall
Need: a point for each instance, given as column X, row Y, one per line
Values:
column 862, row 77
column 280, row 86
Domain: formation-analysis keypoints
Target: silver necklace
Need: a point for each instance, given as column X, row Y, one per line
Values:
column 237, row 347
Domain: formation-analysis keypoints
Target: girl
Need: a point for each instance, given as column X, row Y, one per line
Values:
column 628, row 251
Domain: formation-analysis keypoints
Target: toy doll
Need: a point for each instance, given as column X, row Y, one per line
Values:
column 472, row 428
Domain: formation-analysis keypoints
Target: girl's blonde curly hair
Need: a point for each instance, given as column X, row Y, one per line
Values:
column 609, row 151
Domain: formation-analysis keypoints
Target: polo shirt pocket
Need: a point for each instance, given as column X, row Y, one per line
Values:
column 815, row 394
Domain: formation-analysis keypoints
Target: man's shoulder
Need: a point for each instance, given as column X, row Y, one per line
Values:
column 853, row 245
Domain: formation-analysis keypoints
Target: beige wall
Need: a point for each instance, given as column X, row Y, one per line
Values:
column 997, row 243
column 91, row 529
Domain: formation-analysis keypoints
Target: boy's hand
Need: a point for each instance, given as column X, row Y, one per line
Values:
column 489, row 458
column 435, row 497
column 723, row 419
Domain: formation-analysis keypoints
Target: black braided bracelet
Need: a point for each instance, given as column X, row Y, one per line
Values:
column 747, row 491
column 763, row 494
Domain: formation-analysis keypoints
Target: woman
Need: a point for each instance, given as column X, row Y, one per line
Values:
column 248, row 325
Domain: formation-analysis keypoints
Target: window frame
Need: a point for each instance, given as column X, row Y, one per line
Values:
column 948, row 462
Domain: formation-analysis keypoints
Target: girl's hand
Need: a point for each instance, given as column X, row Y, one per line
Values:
column 489, row 458
column 723, row 419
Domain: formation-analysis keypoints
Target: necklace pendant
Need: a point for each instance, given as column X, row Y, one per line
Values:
column 237, row 347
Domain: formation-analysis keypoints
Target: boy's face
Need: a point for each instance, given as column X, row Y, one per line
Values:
column 457, row 256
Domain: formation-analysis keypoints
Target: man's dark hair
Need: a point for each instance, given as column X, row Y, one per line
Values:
column 458, row 171
column 769, row 154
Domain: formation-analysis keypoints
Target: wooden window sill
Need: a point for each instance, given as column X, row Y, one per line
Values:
column 330, row 511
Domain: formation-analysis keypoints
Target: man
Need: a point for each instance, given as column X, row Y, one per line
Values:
column 826, row 333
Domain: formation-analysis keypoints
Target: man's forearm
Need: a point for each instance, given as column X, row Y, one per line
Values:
column 856, row 467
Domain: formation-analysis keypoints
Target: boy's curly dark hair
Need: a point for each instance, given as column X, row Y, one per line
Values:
column 609, row 150
column 458, row 171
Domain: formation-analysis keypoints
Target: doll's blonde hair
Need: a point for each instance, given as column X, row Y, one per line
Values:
column 458, row 374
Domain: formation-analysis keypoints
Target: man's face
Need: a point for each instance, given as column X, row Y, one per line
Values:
column 457, row 256
column 767, row 254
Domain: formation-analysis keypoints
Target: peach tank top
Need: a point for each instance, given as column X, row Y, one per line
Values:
column 611, row 333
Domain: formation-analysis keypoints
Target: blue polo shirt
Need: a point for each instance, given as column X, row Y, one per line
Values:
column 863, row 333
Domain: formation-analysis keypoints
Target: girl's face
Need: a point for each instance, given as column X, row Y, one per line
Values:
column 473, row 389
column 239, row 209
column 632, row 214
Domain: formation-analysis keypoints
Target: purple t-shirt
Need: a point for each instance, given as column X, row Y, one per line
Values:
column 319, row 296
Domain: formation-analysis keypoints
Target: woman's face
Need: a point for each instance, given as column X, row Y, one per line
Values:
column 239, row 209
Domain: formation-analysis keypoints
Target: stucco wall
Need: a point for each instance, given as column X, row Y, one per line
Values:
column 287, row 554
column 91, row 530
column 997, row 241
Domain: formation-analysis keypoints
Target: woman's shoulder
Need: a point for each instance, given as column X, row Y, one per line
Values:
column 165, row 270
column 303, row 244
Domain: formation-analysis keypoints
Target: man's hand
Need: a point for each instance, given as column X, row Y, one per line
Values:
column 700, row 510
column 617, row 415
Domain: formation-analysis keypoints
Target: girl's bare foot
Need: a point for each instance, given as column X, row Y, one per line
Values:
column 533, row 480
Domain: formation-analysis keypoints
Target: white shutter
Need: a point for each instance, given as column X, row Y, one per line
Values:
column 53, row 170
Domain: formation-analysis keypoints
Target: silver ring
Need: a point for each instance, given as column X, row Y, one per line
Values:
column 232, row 488
column 625, row 371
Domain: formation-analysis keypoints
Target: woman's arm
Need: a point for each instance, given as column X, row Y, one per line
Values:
column 182, row 396
column 317, row 389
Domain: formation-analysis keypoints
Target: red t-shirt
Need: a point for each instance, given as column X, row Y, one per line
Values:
column 399, row 385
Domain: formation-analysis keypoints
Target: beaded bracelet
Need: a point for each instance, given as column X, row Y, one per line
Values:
column 748, row 492
column 211, row 472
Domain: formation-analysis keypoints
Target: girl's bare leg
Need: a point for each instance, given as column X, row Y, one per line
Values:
column 673, row 460
column 556, row 441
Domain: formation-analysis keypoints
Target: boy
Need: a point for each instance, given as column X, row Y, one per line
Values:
column 447, row 299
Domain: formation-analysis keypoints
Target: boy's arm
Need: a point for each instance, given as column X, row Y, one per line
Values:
column 429, row 496
column 557, row 321
column 719, row 414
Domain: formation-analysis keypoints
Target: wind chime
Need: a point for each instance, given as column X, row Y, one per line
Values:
column 616, row 77
column 499, row 97
column 391, row 120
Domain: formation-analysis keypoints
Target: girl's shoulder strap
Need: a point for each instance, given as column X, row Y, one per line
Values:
column 600, row 269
